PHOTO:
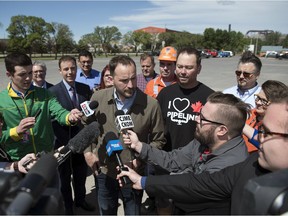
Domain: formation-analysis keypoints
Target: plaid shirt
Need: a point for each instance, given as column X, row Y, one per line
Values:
column 142, row 82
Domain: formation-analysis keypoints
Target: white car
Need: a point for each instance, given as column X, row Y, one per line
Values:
column 230, row 53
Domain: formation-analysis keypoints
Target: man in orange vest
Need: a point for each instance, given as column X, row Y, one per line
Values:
column 167, row 76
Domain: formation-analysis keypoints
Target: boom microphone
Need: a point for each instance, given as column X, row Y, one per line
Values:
column 88, row 107
column 32, row 186
column 79, row 142
column 114, row 147
column 123, row 122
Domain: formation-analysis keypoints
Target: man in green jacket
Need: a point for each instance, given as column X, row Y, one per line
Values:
column 23, row 131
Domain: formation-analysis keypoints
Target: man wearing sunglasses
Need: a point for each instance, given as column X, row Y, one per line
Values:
column 218, row 143
column 247, row 73
column 229, row 183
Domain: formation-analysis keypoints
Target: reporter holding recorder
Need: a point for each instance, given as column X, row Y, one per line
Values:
column 228, row 184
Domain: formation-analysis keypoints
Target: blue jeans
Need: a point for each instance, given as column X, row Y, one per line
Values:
column 108, row 193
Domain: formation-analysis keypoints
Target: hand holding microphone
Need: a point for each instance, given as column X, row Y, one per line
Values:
column 114, row 147
column 88, row 107
column 131, row 140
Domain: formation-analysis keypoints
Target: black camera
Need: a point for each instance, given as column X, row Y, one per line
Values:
column 38, row 192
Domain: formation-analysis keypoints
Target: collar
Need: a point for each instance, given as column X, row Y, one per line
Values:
column 248, row 91
column 68, row 86
column 126, row 104
column 14, row 93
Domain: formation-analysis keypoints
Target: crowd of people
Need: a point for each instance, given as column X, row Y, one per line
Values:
column 191, row 149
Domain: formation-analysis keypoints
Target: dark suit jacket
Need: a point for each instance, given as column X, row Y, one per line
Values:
column 49, row 85
column 64, row 133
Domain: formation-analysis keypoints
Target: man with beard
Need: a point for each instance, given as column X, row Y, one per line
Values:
column 148, row 124
column 218, row 143
column 247, row 73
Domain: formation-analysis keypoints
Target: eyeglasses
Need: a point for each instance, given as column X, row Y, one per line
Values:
column 202, row 118
column 86, row 62
column 263, row 133
column 263, row 101
column 246, row 75
column 187, row 67
column 38, row 72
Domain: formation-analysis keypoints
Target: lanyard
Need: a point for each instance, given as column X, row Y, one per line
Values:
column 18, row 109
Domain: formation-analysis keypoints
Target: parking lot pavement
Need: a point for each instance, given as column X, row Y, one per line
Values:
column 217, row 73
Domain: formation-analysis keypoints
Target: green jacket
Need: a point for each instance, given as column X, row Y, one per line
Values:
column 15, row 108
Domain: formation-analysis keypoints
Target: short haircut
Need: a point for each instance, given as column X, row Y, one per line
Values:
column 85, row 53
column 190, row 51
column 66, row 58
column 231, row 111
column 121, row 59
column 41, row 64
column 16, row 59
column 144, row 56
column 273, row 89
column 249, row 57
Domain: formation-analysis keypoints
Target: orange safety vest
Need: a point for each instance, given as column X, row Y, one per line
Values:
column 254, row 123
column 154, row 86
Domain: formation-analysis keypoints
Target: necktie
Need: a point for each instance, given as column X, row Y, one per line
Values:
column 73, row 97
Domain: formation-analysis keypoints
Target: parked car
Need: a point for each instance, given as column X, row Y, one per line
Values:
column 271, row 54
column 282, row 56
column 230, row 53
column 222, row 54
column 204, row 54
column 213, row 53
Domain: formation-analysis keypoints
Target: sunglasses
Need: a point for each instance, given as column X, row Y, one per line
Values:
column 245, row 74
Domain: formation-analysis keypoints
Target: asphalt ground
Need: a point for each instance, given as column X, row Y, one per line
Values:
column 217, row 73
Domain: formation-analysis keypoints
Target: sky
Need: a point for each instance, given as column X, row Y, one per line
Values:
column 181, row 15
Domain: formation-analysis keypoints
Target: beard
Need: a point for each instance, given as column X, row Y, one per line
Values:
column 205, row 138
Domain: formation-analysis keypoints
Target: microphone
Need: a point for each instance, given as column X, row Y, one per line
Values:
column 88, row 107
column 79, row 142
column 33, row 185
column 123, row 122
column 75, row 145
column 114, row 147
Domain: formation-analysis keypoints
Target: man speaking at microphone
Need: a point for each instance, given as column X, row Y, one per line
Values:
column 70, row 94
column 148, row 124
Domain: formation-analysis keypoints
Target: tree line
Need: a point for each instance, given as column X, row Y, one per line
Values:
column 32, row 34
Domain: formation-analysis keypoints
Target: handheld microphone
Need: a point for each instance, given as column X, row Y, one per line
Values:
column 88, row 107
column 123, row 122
column 75, row 145
column 79, row 142
column 33, row 185
column 114, row 147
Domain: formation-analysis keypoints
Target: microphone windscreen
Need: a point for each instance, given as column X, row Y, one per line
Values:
column 83, row 139
column 110, row 136
column 119, row 112
column 93, row 105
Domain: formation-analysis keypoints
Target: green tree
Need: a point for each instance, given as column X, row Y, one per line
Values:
column 27, row 33
column 61, row 39
column 89, row 40
column 168, row 39
column 107, row 37
column 273, row 39
column 284, row 42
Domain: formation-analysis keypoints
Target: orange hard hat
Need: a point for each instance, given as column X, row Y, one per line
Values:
column 168, row 54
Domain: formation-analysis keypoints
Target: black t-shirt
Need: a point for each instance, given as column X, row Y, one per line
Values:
column 179, row 109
